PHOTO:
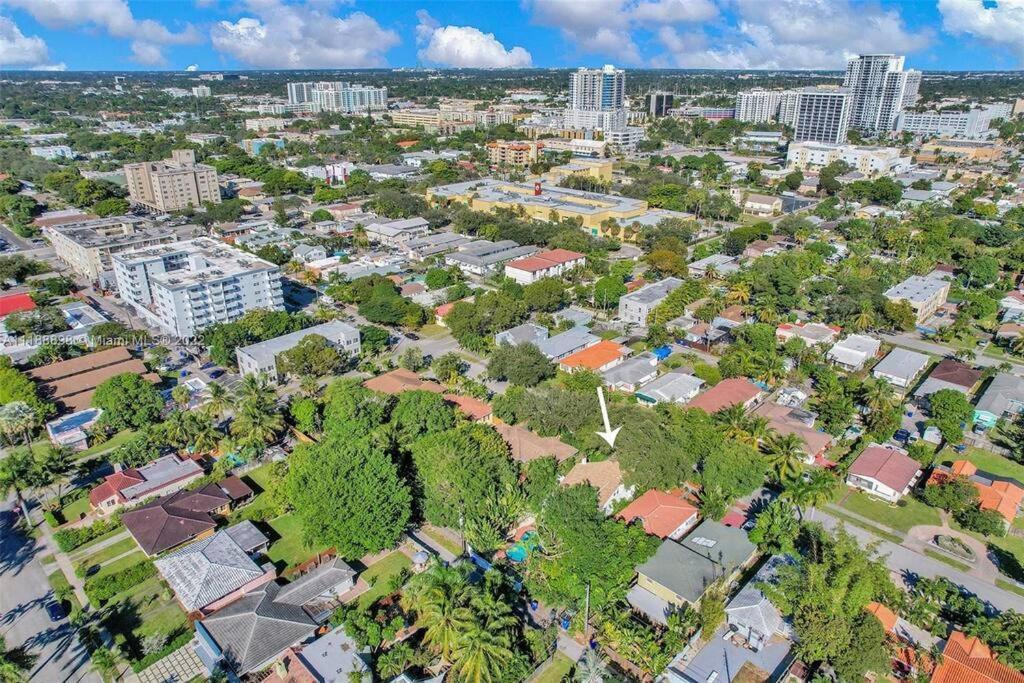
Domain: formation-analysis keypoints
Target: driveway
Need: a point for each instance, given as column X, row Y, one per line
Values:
column 24, row 592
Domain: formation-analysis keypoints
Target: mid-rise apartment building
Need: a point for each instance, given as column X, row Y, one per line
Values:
column 87, row 246
column 172, row 184
column 822, row 115
column 636, row 306
column 185, row 287
column 201, row 91
column 925, row 294
column 660, row 103
column 880, row 88
column 428, row 118
column 597, row 99
column 870, row 161
column 955, row 124
column 519, row 154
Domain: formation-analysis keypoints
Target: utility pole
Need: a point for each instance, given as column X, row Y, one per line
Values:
column 586, row 617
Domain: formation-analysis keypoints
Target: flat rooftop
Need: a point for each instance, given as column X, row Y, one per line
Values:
column 917, row 288
column 551, row 197
column 199, row 261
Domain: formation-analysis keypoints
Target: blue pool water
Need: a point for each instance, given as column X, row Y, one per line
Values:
column 522, row 549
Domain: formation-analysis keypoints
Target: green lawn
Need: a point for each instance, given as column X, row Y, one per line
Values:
column 288, row 549
column 146, row 609
column 380, row 574
column 83, row 550
column 1012, row 587
column 108, row 445
column 112, row 551
column 555, row 670
column 909, row 513
column 854, row 521
column 123, row 563
column 443, row 540
column 432, row 331
column 261, row 476
column 58, row 582
column 986, row 461
column 75, row 510
column 943, row 557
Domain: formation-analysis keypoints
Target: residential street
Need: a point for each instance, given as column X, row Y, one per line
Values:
column 24, row 592
column 912, row 341
column 907, row 565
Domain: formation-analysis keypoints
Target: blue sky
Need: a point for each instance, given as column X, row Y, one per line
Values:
column 290, row 34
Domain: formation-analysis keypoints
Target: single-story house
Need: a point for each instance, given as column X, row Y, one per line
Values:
column 728, row 392
column 665, row 515
column 750, row 613
column 721, row 264
column 216, row 571
column 900, row 367
column 72, row 431
column 672, row 387
column 1002, row 494
column 853, row 352
column 811, row 334
column 884, row 471
column 332, row 658
column 948, row 374
column 132, row 485
column 1002, row 398
column 1011, row 306
column 605, row 476
column 567, row 343
column 473, row 408
column 599, row 357
column 790, row 420
column 399, row 380
column 629, row 375
column 527, row 333
column 305, row 253
column 967, row 658
column 525, row 445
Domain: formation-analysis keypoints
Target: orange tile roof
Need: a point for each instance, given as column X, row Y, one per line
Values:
column 1002, row 496
column 728, row 392
column 473, row 408
column 968, row 660
column 15, row 303
column 605, row 476
column 884, row 614
column 661, row 513
column 596, row 356
column 399, row 380
column 525, row 445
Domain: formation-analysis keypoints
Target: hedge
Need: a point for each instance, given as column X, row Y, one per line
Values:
column 102, row 588
column 178, row 642
column 69, row 539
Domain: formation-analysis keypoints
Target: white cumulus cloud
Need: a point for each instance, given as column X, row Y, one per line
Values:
column 465, row 46
column 19, row 51
column 148, row 37
column 303, row 36
column 999, row 22
column 794, row 34
column 597, row 27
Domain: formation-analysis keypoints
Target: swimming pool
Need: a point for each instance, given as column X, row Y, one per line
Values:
column 523, row 547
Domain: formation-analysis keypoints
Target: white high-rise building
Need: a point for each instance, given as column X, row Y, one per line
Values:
column 758, row 105
column 185, row 287
column 349, row 98
column 299, row 93
column 880, row 89
column 597, row 99
column 787, row 107
column 822, row 115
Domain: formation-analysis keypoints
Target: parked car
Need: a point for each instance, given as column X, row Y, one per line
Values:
column 55, row 611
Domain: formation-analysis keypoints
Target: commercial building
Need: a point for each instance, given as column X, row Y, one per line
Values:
column 187, row 286
column 300, row 93
column 427, row 118
column 261, row 358
column 868, row 161
column 598, row 169
column 974, row 123
column 758, row 105
column 580, row 147
column 539, row 200
column 634, row 308
column 397, row 232
column 87, row 246
column 172, row 184
column 659, row 103
column 924, row 294
column 519, row 154
column 960, row 151
column 880, row 88
column 52, row 152
column 597, row 99
column 544, row 264
column 822, row 114
column 201, row 91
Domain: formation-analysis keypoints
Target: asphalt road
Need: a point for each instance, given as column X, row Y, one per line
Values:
column 912, row 341
column 24, row 592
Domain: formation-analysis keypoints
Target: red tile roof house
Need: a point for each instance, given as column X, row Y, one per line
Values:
column 604, row 355
column 605, row 476
column 172, row 521
column 663, row 514
column 884, row 471
column 785, row 420
column 966, row 659
column 544, row 264
column 132, row 485
column 727, row 393
column 15, row 303
column 812, row 334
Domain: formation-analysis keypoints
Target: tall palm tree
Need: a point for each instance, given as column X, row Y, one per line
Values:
column 18, row 474
column 18, row 419
column 438, row 598
column 359, row 237
column 205, row 436
column 218, row 402
column 758, row 430
column 256, row 389
column 590, row 669
column 177, row 428
column 865, row 319
column 811, row 491
column 256, row 425
column 766, row 311
column 480, row 654
column 739, row 293
column 771, row 370
column 878, row 395
column 14, row 663
column 733, row 421
column 785, row 454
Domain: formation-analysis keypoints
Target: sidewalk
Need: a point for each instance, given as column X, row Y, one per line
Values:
column 64, row 563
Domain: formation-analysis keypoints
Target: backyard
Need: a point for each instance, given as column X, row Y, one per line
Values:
column 288, row 549
column 986, row 461
column 108, row 445
column 554, row 670
column 380, row 574
column 148, row 609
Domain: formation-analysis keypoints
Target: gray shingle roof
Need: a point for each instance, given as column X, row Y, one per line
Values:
column 323, row 578
column 207, row 570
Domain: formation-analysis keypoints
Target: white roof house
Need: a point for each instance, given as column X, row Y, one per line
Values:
column 751, row 614
column 262, row 356
column 900, row 367
column 854, row 351
column 672, row 387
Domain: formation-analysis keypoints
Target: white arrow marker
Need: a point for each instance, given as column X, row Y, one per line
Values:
column 608, row 434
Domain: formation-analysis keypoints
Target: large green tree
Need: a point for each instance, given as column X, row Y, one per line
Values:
column 128, row 401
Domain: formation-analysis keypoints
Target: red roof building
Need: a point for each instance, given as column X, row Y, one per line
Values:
column 15, row 303
column 884, row 471
column 551, row 263
column 1005, row 497
column 399, row 380
column 602, row 356
column 729, row 392
column 968, row 660
column 663, row 514
column 473, row 408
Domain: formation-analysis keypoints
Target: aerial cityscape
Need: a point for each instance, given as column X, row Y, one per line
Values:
column 512, row 342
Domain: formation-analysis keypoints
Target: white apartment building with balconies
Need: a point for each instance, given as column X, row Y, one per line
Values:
column 869, row 161
column 185, row 287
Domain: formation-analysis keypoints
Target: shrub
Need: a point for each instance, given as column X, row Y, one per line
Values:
column 51, row 518
column 102, row 588
column 69, row 539
column 179, row 641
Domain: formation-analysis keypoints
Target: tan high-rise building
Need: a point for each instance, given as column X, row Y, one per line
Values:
column 172, row 184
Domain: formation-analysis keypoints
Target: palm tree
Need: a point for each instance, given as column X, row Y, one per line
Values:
column 256, row 425
column 205, row 436
column 480, row 654
column 359, row 237
column 758, row 430
column 14, row 663
column 256, row 389
column 438, row 598
column 786, row 455
column 766, row 311
column 865, row 319
column 218, row 401
column 878, row 395
column 309, row 385
column 739, row 293
column 177, row 429
column 711, row 273
column 590, row 669
column 18, row 418
column 733, row 421
column 181, row 395
column 1017, row 345
column 772, row 370
column 812, row 491
column 18, row 474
